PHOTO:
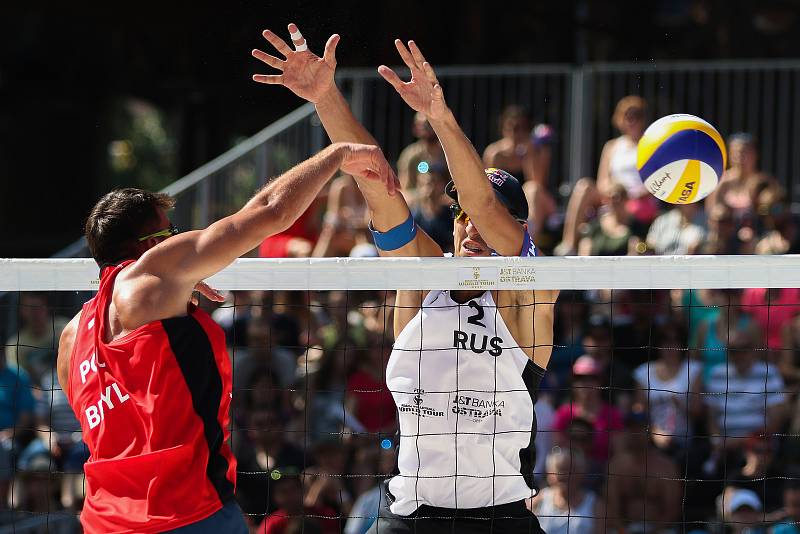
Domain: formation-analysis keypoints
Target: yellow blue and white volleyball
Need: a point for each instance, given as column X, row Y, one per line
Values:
column 680, row 158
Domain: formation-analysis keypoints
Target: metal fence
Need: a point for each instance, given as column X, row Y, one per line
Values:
column 760, row 97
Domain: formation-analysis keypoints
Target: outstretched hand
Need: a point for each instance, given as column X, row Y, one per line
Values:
column 302, row 72
column 423, row 92
column 368, row 161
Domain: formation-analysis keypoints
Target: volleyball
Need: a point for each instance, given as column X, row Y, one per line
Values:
column 680, row 158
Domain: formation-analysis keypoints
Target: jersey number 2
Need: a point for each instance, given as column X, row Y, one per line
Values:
column 476, row 319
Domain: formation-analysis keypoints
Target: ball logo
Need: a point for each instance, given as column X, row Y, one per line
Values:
column 686, row 192
column 690, row 148
column 656, row 184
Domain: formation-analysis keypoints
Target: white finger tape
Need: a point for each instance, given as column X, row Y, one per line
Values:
column 301, row 47
column 296, row 36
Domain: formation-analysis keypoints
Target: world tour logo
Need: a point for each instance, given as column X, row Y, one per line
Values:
column 477, row 278
column 418, row 408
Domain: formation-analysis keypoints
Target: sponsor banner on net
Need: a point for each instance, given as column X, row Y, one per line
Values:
column 510, row 277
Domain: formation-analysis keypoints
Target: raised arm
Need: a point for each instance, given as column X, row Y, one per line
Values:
column 475, row 195
column 159, row 284
column 312, row 78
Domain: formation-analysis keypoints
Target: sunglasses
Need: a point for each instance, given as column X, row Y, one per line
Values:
column 167, row 232
column 458, row 213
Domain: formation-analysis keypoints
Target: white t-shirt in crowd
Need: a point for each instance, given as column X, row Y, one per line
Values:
column 668, row 400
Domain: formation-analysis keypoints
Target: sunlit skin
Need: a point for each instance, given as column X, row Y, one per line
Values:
column 517, row 130
column 743, row 156
column 632, row 124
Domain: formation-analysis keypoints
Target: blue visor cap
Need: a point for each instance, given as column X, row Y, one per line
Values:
column 506, row 187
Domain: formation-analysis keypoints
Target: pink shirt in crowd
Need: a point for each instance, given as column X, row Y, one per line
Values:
column 608, row 419
column 773, row 313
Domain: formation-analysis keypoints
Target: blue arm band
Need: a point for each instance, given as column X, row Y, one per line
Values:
column 400, row 235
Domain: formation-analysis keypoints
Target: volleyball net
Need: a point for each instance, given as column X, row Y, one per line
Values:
column 669, row 403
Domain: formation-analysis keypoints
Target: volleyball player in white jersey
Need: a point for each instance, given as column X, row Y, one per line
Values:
column 465, row 365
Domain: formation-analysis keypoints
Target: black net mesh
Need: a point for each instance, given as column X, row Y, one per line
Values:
column 660, row 411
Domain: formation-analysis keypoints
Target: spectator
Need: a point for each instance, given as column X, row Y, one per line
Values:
column 648, row 311
column 644, row 490
column 287, row 491
column 35, row 345
column 545, row 417
column 677, row 231
column 34, row 497
column 669, row 391
column 742, row 182
column 266, row 349
column 515, row 146
column 365, row 509
column 618, row 159
column 324, row 481
column 16, row 416
column 568, row 343
column 782, row 237
column 234, row 315
column 740, row 511
column 587, row 403
column 327, row 376
column 772, row 310
column 611, row 234
column 723, row 235
column 744, row 396
column 431, row 207
column 345, row 221
column 581, row 434
column 617, row 165
column 760, row 472
column 545, row 223
column 790, row 523
column 564, row 506
column 261, row 391
column 600, row 345
column 55, row 416
column 526, row 154
column 367, row 392
column 714, row 330
column 298, row 240
column 419, row 156
column 264, row 450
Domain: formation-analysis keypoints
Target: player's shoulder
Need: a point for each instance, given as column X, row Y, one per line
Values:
column 65, row 345
column 70, row 330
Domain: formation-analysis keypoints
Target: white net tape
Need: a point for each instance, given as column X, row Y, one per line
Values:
column 611, row 272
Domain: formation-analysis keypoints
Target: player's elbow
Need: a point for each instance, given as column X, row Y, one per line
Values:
column 273, row 218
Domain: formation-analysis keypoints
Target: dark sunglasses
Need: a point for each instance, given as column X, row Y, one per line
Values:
column 167, row 232
column 458, row 213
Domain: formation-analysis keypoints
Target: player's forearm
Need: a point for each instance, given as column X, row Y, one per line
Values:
column 339, row 121
column 342, row 126
column 279, row 204
column 466, row 166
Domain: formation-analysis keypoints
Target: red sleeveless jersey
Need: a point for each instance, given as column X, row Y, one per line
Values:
column 153, row 407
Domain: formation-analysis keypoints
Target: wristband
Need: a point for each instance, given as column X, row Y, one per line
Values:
column 400, row 235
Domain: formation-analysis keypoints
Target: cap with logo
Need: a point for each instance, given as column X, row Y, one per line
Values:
column 506, row 187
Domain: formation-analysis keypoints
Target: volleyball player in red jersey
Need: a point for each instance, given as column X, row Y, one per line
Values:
column 147, row 375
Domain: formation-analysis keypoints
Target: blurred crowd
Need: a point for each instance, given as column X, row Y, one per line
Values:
column 661, row 411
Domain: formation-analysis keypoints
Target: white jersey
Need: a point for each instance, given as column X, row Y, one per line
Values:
column 465, row 393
